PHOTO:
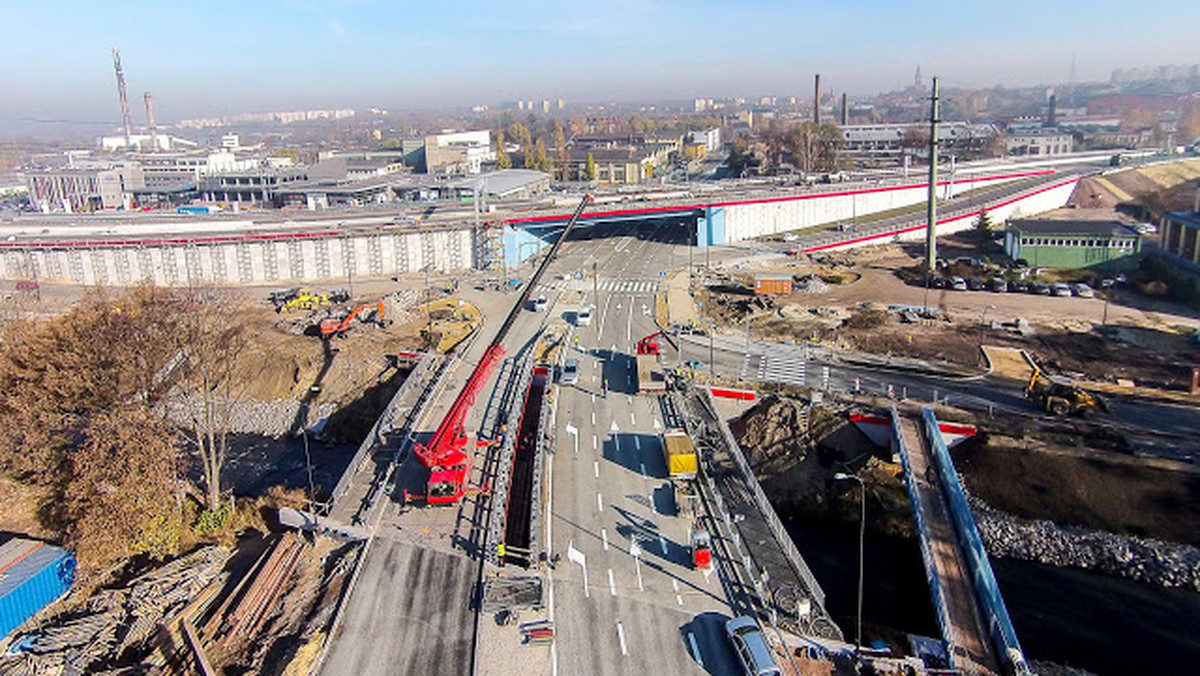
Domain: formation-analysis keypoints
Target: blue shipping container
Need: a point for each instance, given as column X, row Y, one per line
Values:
column 32, row 576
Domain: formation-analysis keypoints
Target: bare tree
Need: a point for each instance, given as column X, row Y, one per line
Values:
column 210, row 340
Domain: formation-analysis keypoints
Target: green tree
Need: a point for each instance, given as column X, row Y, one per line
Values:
column 983, row 229
column 562, row 157
column 519, row 134
column 741, row 161
column 543, row 161
column 503, row 161
column 589, row 169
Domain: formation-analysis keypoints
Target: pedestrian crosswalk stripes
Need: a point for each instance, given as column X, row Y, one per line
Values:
column 609, row 285
column 782, row 369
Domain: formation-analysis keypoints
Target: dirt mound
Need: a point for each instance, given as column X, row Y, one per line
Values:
column 1081, row 485
column 772, row 435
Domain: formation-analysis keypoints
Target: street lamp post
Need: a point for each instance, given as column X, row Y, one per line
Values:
column 862, row 534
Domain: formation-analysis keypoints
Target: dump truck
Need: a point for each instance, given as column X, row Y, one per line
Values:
column 650, row 375
column 682, row 466
column 1060, row 396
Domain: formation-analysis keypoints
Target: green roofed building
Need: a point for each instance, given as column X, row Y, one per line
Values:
column 1049, row 243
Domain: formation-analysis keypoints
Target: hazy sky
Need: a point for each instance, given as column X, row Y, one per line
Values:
column 220, row 57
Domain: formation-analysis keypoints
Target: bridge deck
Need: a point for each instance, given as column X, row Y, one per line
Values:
column 965, row 633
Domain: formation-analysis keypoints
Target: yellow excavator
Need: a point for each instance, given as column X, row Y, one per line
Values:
column 1061, row 396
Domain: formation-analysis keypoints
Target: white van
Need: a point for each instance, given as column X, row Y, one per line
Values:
column 583, row 316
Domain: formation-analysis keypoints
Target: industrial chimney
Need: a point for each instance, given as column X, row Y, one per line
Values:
column 845, row 110
column 126, row 117
column 150, row 124
column 817, row 99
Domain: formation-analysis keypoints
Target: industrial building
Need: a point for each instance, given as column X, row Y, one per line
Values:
column 259, row 186
column 1043, row 141
column 82, row 190
column 1073, row 244
column 896, row 139
column 459, row 153
column 1179, row 236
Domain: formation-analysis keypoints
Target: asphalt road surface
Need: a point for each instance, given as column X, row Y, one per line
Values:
column 626, row 599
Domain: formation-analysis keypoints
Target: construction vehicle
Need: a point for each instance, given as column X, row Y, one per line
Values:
column 288, row 300
column 333, row 326
column 1060, row 396
column 650, row 375
column 700, row 542
column 682, row 466
column 445, row 454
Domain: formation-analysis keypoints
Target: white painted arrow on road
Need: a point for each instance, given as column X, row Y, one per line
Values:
column 576, row 556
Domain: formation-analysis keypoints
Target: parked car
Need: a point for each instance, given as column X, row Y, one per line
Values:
column 937, row 282
column 1082, row 290
column 538, row 304
column 1060, row 289
column 976, row 284
column 694, row 364
column 1039, row 288
column 569, row 375
column 583, row 316
column 998, row 285
column 1018, row 286
column 958, row 284
column 751, row 647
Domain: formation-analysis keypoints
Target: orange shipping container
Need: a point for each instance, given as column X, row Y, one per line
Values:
column 773, row 285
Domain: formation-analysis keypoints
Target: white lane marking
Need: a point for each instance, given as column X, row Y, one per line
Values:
column 679, row 599
column 593, row 417
column 604, row 537
column 636, row 553
column 657, row 425
column 621, row 638
column 675, row 586
column 596, row 468
column 642, row 467
column 695, row 649
column 632, row 419
column 600, row 508
column 595, row 442
column 614, row 429
column 662, row 542
column 576, row 556
column 616, row 443
column 637, row 441
column 612, row 584
column 629, row 329
column 574, row 432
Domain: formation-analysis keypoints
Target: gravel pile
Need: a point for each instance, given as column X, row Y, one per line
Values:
column 810, row 286
column 276, row 418
column 1143, row 559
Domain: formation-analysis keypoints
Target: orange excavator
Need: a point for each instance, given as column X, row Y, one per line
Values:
column 446, row 453
column 371, row 312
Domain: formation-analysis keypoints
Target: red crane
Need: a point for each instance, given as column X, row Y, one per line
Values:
column 446, row 453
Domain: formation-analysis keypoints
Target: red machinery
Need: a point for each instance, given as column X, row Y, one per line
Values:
column 446, row 455
column 331, row 327
column 701, row 544
column 648, row 345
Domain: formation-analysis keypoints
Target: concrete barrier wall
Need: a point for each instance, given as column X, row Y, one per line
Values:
column 1034, row 202
column 241, row 259
column 748, row 220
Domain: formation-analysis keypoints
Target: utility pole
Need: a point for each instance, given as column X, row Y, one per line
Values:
column 931, row 212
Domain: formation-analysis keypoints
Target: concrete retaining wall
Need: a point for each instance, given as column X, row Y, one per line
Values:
column 241, row 260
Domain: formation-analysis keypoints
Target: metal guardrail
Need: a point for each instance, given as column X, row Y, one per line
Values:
column 768, row 510
column 910, row 482
column 418, row 377
column 1003, row 636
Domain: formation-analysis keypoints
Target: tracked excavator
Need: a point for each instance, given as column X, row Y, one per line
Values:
column 446, row 453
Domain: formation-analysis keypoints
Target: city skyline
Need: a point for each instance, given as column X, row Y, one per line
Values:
column 224, row 58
